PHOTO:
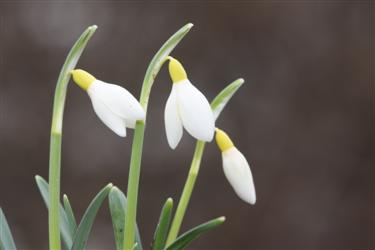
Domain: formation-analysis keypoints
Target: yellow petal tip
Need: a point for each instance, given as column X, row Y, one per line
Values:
column 223, row 141
column 82, row 78
column 176, row 70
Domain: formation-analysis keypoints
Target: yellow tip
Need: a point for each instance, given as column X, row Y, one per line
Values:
column 82, row 78
column 223, row 141
column 176, row 70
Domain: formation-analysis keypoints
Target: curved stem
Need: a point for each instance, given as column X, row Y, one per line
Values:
column 56, row 134
column 186, row 193
column 136, row 155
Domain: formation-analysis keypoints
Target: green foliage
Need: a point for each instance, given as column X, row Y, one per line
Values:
column 161, row 231
column 117, row 207
column 84, row 228
column 70, row 215
column 73, row 237
column 185, row 239
column 6, row 238
column 66, row 234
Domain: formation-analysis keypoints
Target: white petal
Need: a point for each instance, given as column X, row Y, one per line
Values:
column 173, row 125
column 113, row 121
column 237, row 170
column 117, row 99
column 195, row 111
column 130, row 123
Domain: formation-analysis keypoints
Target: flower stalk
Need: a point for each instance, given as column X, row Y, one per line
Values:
column 136, row 155
column 56, row 136
column 217, row 105
column 186, row 193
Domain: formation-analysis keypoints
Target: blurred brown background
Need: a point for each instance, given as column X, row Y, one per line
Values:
column 304, row 118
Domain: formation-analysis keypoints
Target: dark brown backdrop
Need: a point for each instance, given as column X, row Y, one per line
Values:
column 304, row 118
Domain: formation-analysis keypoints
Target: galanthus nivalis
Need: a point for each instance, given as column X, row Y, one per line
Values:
column 186, row 107
column 114, row 105
column 236, row 168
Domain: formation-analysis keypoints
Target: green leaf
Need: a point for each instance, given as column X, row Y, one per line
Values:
column 70, row 215
column 185, row 239
column 161, row 231
column 66, row 234
column 84, row 228
column 6, row 238
column 117, row 206
column 224, row 96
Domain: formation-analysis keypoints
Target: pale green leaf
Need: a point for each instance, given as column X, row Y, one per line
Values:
column 70, row 214
column 161, row 231
column 117, row 206
column 84, row 228
column 66, row 234
column 6, row 238
column 186, row 238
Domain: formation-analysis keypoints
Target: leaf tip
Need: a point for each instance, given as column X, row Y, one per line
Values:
column 93, row 27
column 189, row 25
column 240, row 80
column 221, row 219
column 38, row 178
column 169, row 201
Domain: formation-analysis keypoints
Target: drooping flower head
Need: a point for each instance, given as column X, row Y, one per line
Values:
column 236, row 168
column 114, row 105
column 186, row 108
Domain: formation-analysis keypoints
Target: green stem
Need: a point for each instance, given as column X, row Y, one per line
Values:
column 133, row 186
column 54, row 194
column 56, row 135
column 186, row 193
column 217, row 106
column 136, row 155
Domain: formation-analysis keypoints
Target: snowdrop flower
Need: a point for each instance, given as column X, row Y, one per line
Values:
column 186, row 107
column 236, row 168
column 114, row 105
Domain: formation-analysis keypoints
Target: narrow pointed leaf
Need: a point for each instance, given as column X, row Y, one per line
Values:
column 161, row 231
column 224, row 96
column 70, row 215
column 66, row 234
column 84, row 228
column 185, row 239
column 6, row 238
column 117, row 206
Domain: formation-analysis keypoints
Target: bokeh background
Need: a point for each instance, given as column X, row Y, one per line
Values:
column 304, row 118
